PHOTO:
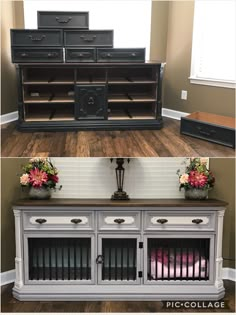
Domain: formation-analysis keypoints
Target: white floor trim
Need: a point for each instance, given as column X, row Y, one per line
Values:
column 166, row 112
column 9, row 276
column 229, row 274
column 6, row 118
column 174, row 114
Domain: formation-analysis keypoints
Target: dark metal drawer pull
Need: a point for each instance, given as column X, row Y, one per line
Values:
column 88, row 39
column 52, row 55
column 80, row 54
column 99, row 259
column 133, row 55
column 37, row 39
column 41, row 221
column 162, row 221
column 63, row 20
column 24, row 55
column 75, row 221
column 119, row 221
column 197, row 221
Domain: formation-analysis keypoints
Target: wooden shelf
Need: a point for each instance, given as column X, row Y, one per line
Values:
column 121, row 80
column 48, row 99
column 130, row 114
column 130, row 98
column 42, row 82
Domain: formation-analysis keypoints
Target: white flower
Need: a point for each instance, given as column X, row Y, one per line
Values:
column 24, row 179
column 183, row 178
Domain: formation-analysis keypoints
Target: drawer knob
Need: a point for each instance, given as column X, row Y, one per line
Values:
column 76, row 221
column 41, row 221
column 24, row 55
column 162, row 221
column 88, row 38
column 37, row 39
column 119, row 221
column 197, row 221
column 133, row 54
column 99, row 259
column 63, row 20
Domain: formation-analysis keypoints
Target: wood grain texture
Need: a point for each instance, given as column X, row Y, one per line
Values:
column 121, row 203
column 166, row 142
column 9, row 304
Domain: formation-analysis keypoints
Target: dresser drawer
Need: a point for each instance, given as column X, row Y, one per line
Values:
column 59, row 220
column 206, row 131
column 52, row 19
column 90, row 38
column 185, row 221
column 36, row 38
column 80, row 55
column 119, row 221
column 37, row 55
column 121, row 55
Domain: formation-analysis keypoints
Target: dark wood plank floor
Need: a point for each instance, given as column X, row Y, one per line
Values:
column 146, row 143
column 9, row 304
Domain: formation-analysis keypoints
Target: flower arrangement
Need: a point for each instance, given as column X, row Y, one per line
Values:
column 39, row 173
column 196, row 175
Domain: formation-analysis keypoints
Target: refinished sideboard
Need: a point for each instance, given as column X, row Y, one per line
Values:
column 97, row 249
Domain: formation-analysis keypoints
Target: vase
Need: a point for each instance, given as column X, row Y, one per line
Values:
column 196, row 193
column 40, row 193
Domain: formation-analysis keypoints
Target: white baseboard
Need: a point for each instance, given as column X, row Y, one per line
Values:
column 6, row 118
column 229, row 274
column 170, row 113
column 9, row 276
column 174, row 114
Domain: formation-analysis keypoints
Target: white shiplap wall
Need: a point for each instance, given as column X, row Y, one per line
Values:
column 95, row 177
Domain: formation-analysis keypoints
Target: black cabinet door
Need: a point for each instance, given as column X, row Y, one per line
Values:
column 91, row 102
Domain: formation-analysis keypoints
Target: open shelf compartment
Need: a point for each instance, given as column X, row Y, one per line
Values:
column 48, row 76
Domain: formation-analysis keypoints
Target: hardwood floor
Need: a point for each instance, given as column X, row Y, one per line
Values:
column 146, row 143
column 9, row 304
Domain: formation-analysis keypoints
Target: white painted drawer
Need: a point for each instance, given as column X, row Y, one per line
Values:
column 184, row 221
column 58, row 220
column 119, row 221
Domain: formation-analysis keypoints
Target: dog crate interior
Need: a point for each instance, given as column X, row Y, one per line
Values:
column 178, row 259
column 49, row 93
column 119, row 259
column 131, row 93
column 131, row 111
column 48, row 112
column 59, row 258
column 48, row 76
column 90, row 75
column 131, row 75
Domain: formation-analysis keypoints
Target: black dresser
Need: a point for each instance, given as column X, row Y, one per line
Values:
column 71, row 77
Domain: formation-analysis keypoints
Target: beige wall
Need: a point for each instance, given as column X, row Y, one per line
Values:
column 178, row 60
column 224, row 171
column 223, row 168
column 12, row 16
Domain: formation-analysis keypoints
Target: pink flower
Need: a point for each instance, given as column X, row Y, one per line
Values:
column 183, row 179
column 37, row 178
column 54, row 178
column 197, row 180
column 24, row 179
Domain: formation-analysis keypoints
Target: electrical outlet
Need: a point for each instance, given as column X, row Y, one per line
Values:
column 184, row 95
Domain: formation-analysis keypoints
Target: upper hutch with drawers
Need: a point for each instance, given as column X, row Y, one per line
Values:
column 143, row 249
column 70, row 77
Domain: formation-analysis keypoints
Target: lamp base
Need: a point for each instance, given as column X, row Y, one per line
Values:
column 120, row 195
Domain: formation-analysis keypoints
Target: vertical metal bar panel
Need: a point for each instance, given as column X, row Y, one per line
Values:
column 175, row 261
column 81, row 260
column 37, row 257
column 116, row 262
column 109, row 273
column 128, row 247
column 155, row 249
column 162, row 262
column 74, row 243
column 194, row 261
column 56, row 258
column 87, row 259
column 187, row 262
column 122, row 257
column 168, row 250
column 206, row 257
column 68, row 258
column 50, row 260
column 62, row 262
column 181, row 258
column 200, row 258
column 134, row 262
column 43, row 258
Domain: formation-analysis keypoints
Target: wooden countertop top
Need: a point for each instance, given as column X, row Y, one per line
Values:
column 120, row 203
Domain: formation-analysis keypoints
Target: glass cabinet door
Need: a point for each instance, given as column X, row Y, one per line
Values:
column 118, row 260
column 178, row 259
column 59, row 259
